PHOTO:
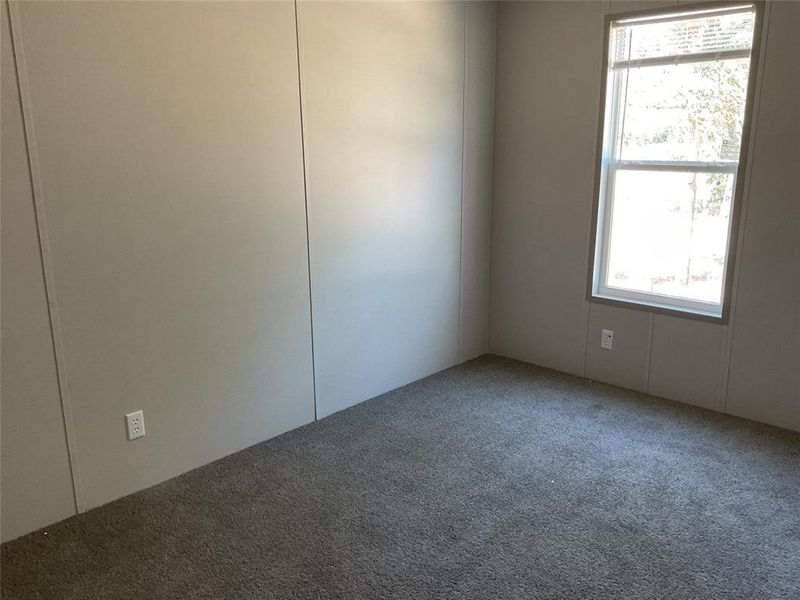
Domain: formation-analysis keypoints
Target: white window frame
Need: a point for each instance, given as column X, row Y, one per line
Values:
column 608, row 165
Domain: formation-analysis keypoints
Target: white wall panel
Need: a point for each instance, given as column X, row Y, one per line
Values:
column 621, row 6
column 170, row 150
column 34, row 465
column 548, row 77
column 685, row 361
column 764, row 375
column 627, row 363
column 383, row 96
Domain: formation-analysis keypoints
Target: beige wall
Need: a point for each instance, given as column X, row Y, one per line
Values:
column 172, row 181
column 386, row 120
column 764, row 373
column 382, row 94
column 33, row 446
column 548, row 83
column 170, row 150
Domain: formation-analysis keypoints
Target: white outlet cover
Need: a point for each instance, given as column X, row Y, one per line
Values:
column 607, row 339
column 135, row 423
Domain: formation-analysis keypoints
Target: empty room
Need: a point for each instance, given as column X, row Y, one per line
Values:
column 400, row 300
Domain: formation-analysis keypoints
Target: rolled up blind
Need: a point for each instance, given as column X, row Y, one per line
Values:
column 683, row 37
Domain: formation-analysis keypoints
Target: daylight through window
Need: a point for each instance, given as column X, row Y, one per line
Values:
column 675, row 104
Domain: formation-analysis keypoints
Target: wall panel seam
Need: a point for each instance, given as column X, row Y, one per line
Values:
column 489, row 318
column 650, row 329
column 459, row 355
column 45, row 253
column 305, row 201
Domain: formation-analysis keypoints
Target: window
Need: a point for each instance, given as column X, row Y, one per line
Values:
column 676, row 99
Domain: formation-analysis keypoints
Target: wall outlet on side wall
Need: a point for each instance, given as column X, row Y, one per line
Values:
column 607, row 339
column 135, row 423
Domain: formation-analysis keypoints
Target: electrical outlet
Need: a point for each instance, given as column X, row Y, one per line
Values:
column 607, row 339
column 135, row 422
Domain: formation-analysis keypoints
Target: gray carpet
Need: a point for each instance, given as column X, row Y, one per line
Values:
column 491, row 480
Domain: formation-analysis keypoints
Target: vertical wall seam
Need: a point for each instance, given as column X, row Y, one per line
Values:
column 727, row 346
column 459, row 357
column 17, row 46
column 648, row 362
column 305, row 203
column 585, row 336
column 491, row 182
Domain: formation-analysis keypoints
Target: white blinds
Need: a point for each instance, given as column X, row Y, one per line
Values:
column 686, row 37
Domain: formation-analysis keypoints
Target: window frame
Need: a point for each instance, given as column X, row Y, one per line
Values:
column 600, row 224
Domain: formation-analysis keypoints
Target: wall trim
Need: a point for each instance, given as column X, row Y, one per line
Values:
column 39, row 203
column 727, row 342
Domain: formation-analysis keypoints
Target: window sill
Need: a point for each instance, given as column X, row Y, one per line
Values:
column 661, row 309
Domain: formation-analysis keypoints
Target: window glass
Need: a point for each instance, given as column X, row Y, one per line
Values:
column 669, row 233
column 690, row 112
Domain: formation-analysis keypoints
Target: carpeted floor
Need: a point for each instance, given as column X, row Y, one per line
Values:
column 491, row 480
